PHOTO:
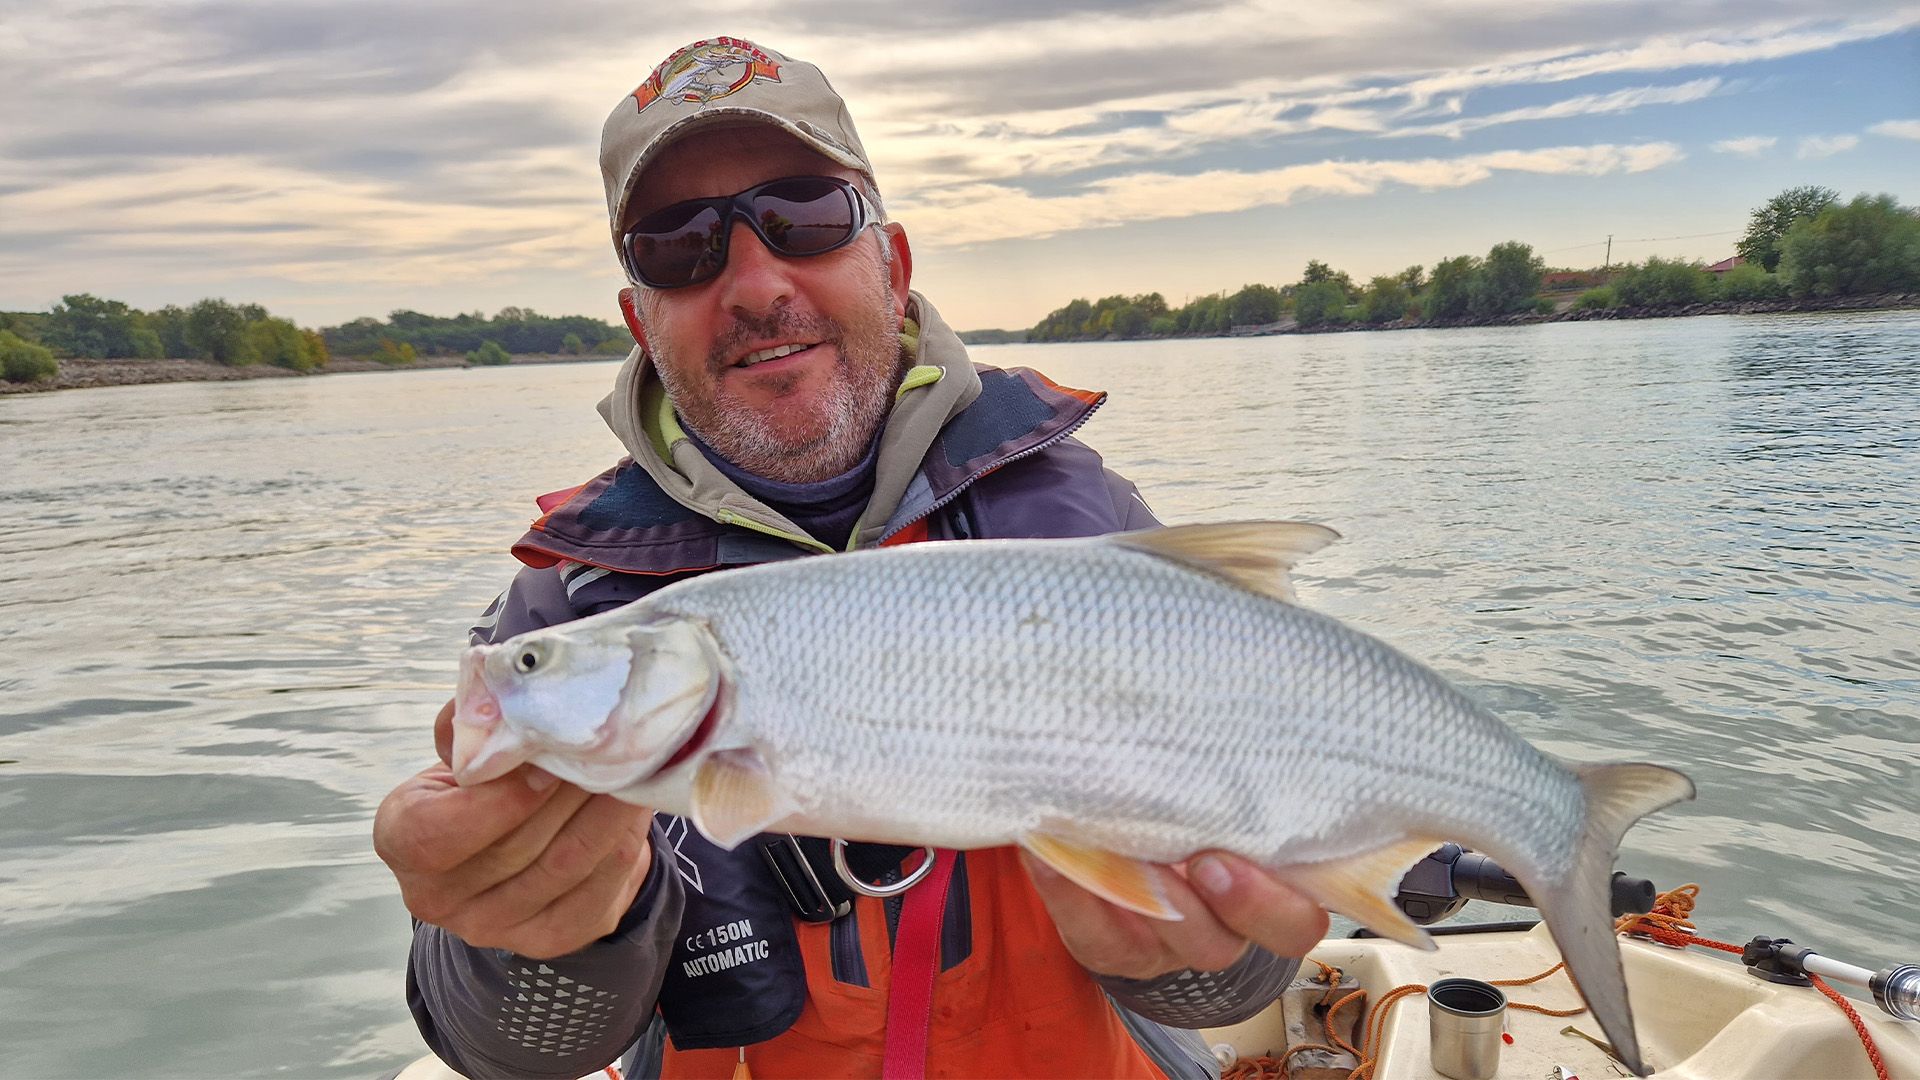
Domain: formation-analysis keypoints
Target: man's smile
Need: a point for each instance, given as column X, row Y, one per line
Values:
column 773, row 358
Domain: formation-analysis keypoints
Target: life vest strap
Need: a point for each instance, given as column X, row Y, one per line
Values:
column 916, row 961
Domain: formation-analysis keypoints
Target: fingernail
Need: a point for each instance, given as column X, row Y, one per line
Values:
column 1210, row 875
column 539, row 779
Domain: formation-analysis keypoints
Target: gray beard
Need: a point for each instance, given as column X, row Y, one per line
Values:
column 855, row 407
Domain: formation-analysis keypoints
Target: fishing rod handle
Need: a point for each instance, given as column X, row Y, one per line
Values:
column 1480, row 878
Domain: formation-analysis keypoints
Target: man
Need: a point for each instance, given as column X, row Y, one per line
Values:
column 790, row 395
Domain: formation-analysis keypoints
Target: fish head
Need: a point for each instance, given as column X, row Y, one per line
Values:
column 605, row 706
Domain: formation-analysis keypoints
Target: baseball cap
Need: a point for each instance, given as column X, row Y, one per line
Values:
column 722, row 81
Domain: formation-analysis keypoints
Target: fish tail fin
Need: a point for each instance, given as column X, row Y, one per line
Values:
column 1579, row 909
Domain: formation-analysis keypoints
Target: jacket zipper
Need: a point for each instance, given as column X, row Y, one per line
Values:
column 728, row 517
column 989, row 467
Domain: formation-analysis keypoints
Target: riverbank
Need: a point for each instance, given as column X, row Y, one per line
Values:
column 1878, row 302
column 80, row 374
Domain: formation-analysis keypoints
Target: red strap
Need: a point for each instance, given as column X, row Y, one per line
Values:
column 916, row 960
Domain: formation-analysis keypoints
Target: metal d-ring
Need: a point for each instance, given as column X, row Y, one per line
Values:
column 883, row 891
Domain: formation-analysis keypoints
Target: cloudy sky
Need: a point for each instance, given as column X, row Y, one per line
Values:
column 338, row 159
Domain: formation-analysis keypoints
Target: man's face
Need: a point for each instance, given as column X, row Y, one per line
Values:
column 801, row 417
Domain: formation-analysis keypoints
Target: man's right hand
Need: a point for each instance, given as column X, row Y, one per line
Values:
column 523, row 862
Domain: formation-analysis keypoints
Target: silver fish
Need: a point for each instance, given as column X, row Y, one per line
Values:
column 1105, row 703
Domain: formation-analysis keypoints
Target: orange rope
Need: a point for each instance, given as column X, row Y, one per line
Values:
column 1668, row 924
column 1859, row 1025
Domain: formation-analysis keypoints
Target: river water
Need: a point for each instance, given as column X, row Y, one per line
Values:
column 228, row 612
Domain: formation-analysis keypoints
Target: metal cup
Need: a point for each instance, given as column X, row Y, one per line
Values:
column 1464, row 1021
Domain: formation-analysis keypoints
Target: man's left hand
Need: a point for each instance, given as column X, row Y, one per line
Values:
column 1228, row 902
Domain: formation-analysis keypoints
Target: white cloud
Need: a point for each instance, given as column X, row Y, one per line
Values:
column 1899, row 129
column 982, row 212
column 1821, row 146
column 1747, row 145
column 1585, row 105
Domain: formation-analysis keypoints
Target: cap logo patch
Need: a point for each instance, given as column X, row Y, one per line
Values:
column 707, row 71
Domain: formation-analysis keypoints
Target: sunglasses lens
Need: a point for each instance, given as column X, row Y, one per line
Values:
column 805, row 215
column 686, row 243
column 680, row 245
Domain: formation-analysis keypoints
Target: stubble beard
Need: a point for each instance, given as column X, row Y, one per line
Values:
column 870, row 362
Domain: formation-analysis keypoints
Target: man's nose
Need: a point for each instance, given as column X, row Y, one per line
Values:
column 755, row 279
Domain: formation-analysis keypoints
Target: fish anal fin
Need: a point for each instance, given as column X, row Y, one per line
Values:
column 1117, row 879
column 1255, row 555
column 1361, row 887
column 735, row 796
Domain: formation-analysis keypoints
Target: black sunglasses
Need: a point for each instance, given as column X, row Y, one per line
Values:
column 686, row 243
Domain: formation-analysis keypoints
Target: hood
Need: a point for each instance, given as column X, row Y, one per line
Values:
column 939, row 383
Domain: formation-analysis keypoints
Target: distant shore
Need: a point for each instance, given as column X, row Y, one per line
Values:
column 1564, row 312
column 80, row 374
column 1784, row 306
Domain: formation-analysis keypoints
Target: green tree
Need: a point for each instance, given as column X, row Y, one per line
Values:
column 1449, row 290
column 1319, row 303
column 394, row 353
column 1254, row 305
column 489, row 353
column 1385, row 299
column 169, row 324
column 1748, row 282
column 1596, row 298
column 1664, row 283
column 1770, row 221
column 1130, row 321
column 217, row 331
column 23, row 361
column 1507, row 281
column 1414, row 278
column 282, row 344
column 1870, row 245
column 85, row 325
column 572, row 345
column 1317, row 272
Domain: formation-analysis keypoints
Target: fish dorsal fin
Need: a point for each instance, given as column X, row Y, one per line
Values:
column 1255, row 555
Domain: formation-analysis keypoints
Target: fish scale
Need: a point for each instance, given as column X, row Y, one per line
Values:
column 1107, row 703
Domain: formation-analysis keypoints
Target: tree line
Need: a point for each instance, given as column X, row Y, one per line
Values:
column 514, row 330
column 237, row 335
column 1802, row 243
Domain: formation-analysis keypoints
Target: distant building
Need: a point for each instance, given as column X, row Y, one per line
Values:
column 1725, row 265
column 1567, row 280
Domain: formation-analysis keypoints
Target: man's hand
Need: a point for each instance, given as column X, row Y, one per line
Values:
column 523, row 862
column 1227, row 902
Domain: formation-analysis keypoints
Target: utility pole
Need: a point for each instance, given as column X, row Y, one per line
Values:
column 1608, row 265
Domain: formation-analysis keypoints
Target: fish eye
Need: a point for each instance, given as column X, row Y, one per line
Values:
column 527, row 660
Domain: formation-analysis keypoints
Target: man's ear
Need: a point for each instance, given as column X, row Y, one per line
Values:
column 630, row 310
column 900, row 269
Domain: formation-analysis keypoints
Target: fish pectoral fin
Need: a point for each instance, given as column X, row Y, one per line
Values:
column 1117, row 879
column 1361, row 887
column 1255, row 555
column 735, row 796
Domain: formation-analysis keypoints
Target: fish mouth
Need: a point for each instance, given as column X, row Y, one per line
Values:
column 484, row 747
